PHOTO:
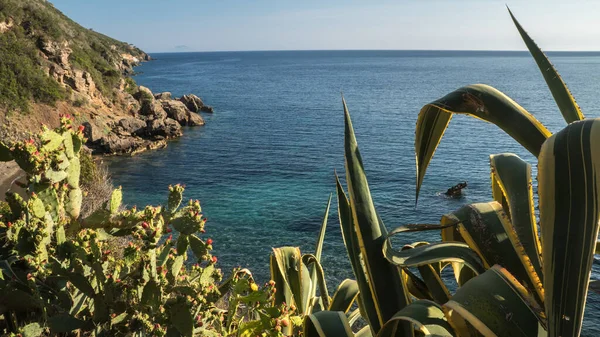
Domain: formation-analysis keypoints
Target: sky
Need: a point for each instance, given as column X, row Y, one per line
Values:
column 231, row 25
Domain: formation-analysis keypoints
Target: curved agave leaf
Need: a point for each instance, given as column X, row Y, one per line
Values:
column 565, row 101
column 313, row 262
column 431, row 275
column 511, row 186
column 416, row 286
column 569, row 191
column 327, row 324
column 435, row 252
column 496, row 305
column 427, row 317
column 365, row 298
column 480, row 101
column 388, row 291
column 344, row 296
column 291, row 277
column 487, row 230
column 318, row 252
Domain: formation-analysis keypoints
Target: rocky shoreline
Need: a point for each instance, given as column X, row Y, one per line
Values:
column 155, row 119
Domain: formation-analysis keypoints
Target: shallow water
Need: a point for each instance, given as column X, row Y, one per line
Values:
column 263, row 166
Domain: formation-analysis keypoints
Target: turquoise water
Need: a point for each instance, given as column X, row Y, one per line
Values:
column 263, row 166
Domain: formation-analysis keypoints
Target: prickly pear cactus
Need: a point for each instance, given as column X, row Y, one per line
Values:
column 60, row 274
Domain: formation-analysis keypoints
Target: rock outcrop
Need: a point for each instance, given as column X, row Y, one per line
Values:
column 163, row 95
column 158, row 119
column 194, row 103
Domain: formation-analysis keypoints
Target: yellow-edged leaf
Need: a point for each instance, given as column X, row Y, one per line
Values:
column 365, row 298
column 488, row 231
column 427, row 317
column 387, row 289
column 512, row 188
column 495, row 304
column 327, row 324
column 318, row 251
column 563, row 97
column 480, row 101
column 569, row 196
column 344, row 296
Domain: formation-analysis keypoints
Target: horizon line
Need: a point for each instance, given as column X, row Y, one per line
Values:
column 414, row 50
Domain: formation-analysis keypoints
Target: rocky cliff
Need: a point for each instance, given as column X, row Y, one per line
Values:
column 50, row 66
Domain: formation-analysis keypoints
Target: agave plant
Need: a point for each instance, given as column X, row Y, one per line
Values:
column 297, row 278
column 512, row 280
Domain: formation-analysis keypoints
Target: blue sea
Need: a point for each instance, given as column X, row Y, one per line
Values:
column 263, row 166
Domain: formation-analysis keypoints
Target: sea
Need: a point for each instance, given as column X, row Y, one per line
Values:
column 264, row 165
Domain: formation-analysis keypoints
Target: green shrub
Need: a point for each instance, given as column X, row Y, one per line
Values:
column 21, row 77
column 130, row 86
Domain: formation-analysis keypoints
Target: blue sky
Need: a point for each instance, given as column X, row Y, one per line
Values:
column 222, row 25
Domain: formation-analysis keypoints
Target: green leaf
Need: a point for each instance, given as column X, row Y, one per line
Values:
column 344, row 296
column 431, row 274
column 32, row 330
column 177, row 264
column 81, row 282
column 287, row 272
column 497, row 305
column 251, row 329
column 311, row 260
column 182, row 244
column 388, row 291
column 198, row 246
column 327, row 324
column 482, row 102
column 427, row 317
column 488, row 231
column 367, row 305
column 569, row 195
column 318, row 251
column 512, row 188
column 565, row 101
column 73, row 203
column 17, row 300
column 435, row 252
column 151, row 294
column 37, row 207
column 64, row 323
column 73, row 172
column 118, row 319
column 5, row 153
column 115, row 200
column 182, row 319
column 51, row 140
column 55, row 176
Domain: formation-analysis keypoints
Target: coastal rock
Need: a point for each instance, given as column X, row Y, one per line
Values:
column 82, row 82
column 55, row 51
column 113, row 144
column 132, row 125
column 92, row 132
column 153, row 110
column 193, row 102
column 143, row 94
column 158, row 129
column 129, row 103
column 176, row 110
column 194, row 119
column 206, row 108
column 163, row 95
